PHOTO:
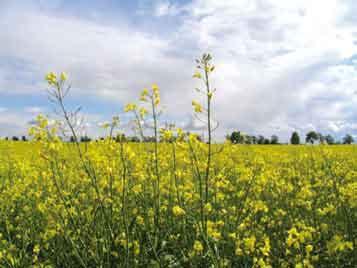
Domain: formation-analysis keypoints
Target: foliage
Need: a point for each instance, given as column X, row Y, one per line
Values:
column 329, row 139
column 348, row 139
column 312, row 137
column 295, row 138
column 236, row 137
column 274, row 139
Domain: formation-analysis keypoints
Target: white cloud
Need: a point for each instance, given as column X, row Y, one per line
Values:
column 275, row 58
column 108, row 61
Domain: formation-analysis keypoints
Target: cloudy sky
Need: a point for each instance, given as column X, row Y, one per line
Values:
column 280, row 65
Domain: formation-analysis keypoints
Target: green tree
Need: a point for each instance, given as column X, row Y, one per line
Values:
column 321, row 138
column 274, row 139
column 266, row 141
column 348, row 139
column 329, row 139
column 236, row 137
column 254, row 139
column 260, row 139
column 311, row 137
column 85, row 139
column 295, row 138
column 248, row 139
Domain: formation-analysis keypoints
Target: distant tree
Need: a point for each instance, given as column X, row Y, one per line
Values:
column 72, row 139
column 266, row 141
column 274, row 139
column 85, row 139
column 260, row 139
column 311, row 137
column 23, row 138
column 248, row 139
column 121, row 137
column 321, row 138
column 6, row 138
column 348, row 139
column 15, row 138
column 329, row 139
column 152, row 139
column 295, row 138
column 254, row 140
column 134, row 139
column 236, row 137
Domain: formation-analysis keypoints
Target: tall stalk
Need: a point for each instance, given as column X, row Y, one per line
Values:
column 204, row 65
column 124, row 201
column 209, row 129
column 57, row 96
column 156, row 162
column 152, row 98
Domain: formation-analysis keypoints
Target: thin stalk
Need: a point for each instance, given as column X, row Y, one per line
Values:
column 209, row 130
column 156, row 161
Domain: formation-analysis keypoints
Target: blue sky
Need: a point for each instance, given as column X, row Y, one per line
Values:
column 281, row 65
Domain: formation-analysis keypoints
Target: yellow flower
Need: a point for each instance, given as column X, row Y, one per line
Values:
column 155, row 87
column 166, row 134
column 36, row 249
column 51, row 78
column 130, row 107
column 197, row 246
column 143, row 112
column 249, row 243
column 136, row 248
column 197, row 107
column 239, row 251
column 145, row 92
column 137, row 189
column 197, row 75
column 63, row 76
column 338, row 244
column 309, row 248
column 266, row 249
column 177, row 211
column 207, row 208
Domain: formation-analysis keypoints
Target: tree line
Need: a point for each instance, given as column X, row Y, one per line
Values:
column 312, row 137
column 118, row 138
column 236, row 137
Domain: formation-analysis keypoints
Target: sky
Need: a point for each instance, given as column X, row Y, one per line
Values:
column 281, row 66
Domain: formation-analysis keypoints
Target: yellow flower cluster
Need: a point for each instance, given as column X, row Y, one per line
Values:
column 197, row 107
column 51, row 78
column 257, row 216
column 130, row 107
